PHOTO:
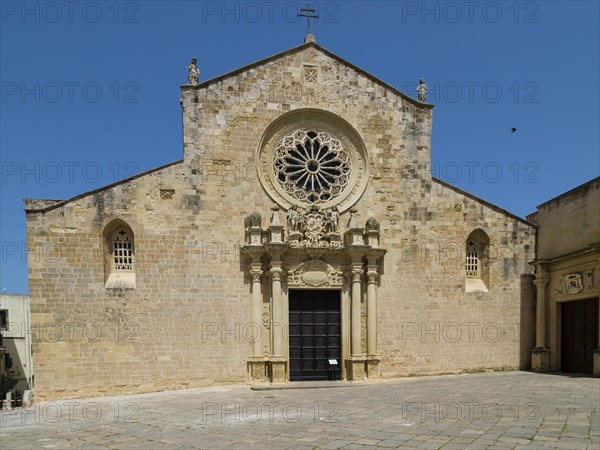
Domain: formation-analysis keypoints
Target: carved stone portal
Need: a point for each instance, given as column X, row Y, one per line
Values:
column 313, row 254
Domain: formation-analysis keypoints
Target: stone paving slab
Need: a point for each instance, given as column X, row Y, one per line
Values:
column 307, row 385
column 507, row 410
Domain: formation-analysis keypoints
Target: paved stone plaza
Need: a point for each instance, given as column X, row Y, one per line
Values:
column 472, row 411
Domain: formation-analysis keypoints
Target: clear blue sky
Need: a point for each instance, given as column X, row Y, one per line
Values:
column 90, row 90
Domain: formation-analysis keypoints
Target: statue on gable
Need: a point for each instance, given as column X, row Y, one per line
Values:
column 194, row 72
column 422, row 90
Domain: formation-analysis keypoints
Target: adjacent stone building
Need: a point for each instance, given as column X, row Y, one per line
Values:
column 567, row 267
column 301, row 229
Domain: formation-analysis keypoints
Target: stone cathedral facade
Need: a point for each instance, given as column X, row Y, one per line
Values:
column 302, row 228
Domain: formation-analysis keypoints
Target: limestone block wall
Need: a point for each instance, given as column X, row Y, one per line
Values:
column 578, row 209
column 429, row 324
column 185, row 324
column 165, row 334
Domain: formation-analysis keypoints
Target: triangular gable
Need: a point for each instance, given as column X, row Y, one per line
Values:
column 301, row 48
column 481, row 201
column 45, row 205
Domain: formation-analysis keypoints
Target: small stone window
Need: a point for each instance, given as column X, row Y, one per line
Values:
column 477, row 262
column 120, row 255
column 122, row 250
column 167, row 194
column 311, row 74
column 472, row 263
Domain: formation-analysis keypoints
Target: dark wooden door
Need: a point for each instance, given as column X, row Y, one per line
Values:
column 314, row 334
column 579, row 335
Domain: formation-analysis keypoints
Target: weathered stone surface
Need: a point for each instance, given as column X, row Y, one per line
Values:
column 186, row 323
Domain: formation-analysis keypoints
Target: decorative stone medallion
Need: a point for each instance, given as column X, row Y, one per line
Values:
column 573, row 283
column 315, row 273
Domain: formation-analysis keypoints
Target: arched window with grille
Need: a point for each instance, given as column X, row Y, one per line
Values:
column 122, row 250
column 119, row 255
column 477, row 262
column 472, row 265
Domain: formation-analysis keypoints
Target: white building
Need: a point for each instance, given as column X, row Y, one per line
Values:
column 16, row 371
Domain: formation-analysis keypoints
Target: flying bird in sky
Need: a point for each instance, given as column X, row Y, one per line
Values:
column 512, row 130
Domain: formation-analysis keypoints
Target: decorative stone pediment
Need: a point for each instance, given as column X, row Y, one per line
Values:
column 315, row 273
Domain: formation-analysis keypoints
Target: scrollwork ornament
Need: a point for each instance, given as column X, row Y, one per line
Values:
column 590, row 279
column 559, row 291
column 335, row 276
column 266, row 319
column 295, row 278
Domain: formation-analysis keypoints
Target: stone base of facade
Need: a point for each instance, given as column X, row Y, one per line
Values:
column 372, row 367
column 278, row 369
column 356, row 368
column 273, row 369
column 540, row 359
column 258, row 369
column 267, row 369
column 596, row 371
column 360, row 368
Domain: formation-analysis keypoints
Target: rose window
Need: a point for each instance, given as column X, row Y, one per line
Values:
column 312, row 166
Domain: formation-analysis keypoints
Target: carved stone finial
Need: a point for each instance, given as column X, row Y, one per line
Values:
column 372, row 224
column 352, row 221
column 275, row 219
column 422, row 90
column 310, row 38
column 253, row 220
column 194, row 72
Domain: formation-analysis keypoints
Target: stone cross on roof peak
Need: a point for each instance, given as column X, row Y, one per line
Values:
column 309, row 13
